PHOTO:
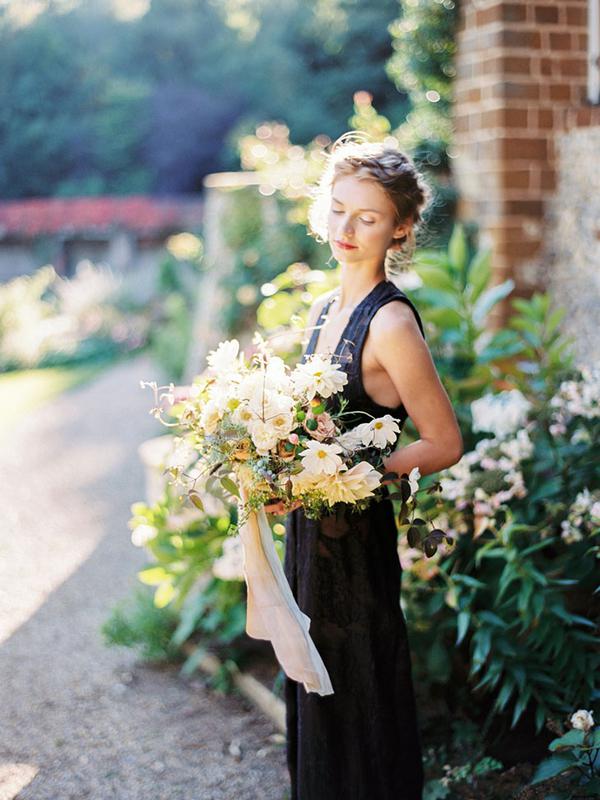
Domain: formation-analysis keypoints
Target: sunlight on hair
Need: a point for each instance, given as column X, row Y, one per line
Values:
column 127, row 10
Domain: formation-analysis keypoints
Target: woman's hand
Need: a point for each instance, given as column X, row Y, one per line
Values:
column 279, row 507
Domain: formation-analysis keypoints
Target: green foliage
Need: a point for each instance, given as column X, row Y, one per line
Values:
column 576, row 762
column 423, row 66
column 184, row 544
column 261, row 249
column 510, row 604
column 140, row 623
column 92, row 104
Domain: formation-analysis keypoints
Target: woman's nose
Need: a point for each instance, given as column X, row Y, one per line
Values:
column 347, row 226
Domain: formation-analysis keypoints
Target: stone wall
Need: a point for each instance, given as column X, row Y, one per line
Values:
column 571, row 268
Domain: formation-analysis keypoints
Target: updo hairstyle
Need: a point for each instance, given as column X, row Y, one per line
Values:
column 396, row 174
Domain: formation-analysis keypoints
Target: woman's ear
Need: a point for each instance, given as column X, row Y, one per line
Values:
column 400, row 235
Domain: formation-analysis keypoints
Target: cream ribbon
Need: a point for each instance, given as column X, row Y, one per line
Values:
column 272, row 612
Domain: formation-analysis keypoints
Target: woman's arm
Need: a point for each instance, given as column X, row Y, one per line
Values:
column 402, row 352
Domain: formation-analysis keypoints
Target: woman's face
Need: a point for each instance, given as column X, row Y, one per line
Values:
column 363, row 216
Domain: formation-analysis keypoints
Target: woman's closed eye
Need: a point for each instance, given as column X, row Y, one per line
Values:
column 366, row 221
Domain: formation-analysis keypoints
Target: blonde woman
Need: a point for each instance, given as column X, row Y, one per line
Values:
column 362, row 742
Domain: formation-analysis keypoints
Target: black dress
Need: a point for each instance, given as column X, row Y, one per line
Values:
column 362, row 742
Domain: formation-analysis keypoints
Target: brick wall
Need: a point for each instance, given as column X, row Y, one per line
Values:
column 521, row 80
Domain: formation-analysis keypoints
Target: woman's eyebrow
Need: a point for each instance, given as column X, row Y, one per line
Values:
column 335, row 200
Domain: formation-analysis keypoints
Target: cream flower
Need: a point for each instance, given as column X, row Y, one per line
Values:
column 318, row 376
column 582, row 720
column 210, row 416
column 321, row 459
column 361, row 480
column 303, row 482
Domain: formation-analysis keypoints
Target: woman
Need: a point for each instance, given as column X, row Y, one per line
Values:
column 362, row 742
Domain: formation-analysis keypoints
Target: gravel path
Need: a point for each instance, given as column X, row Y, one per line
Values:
column 77, row 719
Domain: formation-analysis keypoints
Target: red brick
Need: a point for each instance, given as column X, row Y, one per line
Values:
column 516, row 38
column 544, row 118
column 548, row 179
column 560, row 41
column 516, row 64
column 519, row 250
column 576, row 16
column 534, row 208
column 502, row 12
column 515, row 148
column 512, row 90
column 559, row 91
column 573, row 66
column 546, row 15
column 546, row 65
column 515, row 179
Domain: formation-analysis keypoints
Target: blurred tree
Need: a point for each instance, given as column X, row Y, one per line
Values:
column 93, row 103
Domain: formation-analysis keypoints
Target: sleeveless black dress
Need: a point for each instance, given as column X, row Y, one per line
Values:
column 362, row 742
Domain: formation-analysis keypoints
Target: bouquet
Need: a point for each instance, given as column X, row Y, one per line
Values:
column 265, row 431
column 260, row 428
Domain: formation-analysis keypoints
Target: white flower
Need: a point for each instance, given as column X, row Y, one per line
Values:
column 381, row 431
column 413, row 479
column 595, row 511
column 501, row 413
column 353, row 439
column 230, row 566
column 265, row 438
column 225, row 357
column 321, row 459
column 318, row 376
column 143, row 534
column 582, row 720
column 244, row 415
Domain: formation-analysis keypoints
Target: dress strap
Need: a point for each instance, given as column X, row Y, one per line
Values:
column 312, row 342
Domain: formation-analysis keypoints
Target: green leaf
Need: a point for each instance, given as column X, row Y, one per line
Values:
column 230, row 486
column 462, row 625
column 164, row 594
column 435, row 277
column 572, row 738
column 488, row 300
column 479, row 273
column 552, row 766
column 196, row 500
column 153, row 576
column 457, row 249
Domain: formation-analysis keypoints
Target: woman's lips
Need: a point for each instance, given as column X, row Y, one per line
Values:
column 345, row 246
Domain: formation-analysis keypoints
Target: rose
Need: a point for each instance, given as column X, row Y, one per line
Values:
column 325, row 426
column 286, row 449
column 242, row 451
column 582, row 720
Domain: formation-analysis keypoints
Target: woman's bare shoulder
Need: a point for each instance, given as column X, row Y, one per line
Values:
column 397, row 317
